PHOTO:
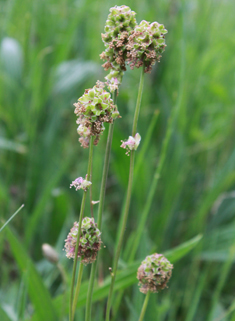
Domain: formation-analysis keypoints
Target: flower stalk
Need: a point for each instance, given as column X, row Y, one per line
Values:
column 144, row 307
column 128, row 199
column 100, row 212
column 71, row 317
column 79, row 280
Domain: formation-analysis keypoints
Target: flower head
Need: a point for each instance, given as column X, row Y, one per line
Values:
column 119, row 25
column 120, row 19
column 154, row 273
column 132, row 143
column 89, row 243
column 81, row 183
column 93, row 109
column 146, row 44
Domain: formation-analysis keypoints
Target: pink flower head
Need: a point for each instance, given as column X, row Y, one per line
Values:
column 81, row 183
column 132, row 143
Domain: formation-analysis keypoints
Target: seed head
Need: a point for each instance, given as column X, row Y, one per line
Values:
column 89, row 244
column 154, row 273
column 146, row 44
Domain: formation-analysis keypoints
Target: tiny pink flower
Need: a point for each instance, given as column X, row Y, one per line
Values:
column 132, row 143
column 81, row 183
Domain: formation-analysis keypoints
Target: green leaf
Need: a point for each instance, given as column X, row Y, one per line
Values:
column 38, row 293
column 13, row 215
column 6, row 315
column 181, row 250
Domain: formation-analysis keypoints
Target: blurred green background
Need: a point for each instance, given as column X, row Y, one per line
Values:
column 49, row 54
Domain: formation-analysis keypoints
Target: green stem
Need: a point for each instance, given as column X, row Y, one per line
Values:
column 138, row 103
column 64, row 281
column 152, row 189
column 90, row 193
column 79, row 280
column 128, row 200
column 76, row 257
column 141, row 318
column 79, row 232
column 100, row 211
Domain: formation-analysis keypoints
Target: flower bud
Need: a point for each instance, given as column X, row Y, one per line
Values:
column 154, row 273
column 50, row 253
column 132, row 143
column 81, row 183
column 89, row 243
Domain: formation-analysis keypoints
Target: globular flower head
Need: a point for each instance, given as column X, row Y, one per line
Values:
column 119, row 25
column 89, row 244
column 154, row 273
column 132, row 143
column 96, row 103
column 81, row 183
column 120, row 19
column 146, row 44
column 93, row 109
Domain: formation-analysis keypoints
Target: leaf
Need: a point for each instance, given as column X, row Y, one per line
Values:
column 38, row 293
column 181, row 250
column 6, row 313
column 13, row 215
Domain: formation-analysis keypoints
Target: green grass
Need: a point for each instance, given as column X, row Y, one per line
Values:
column 49, row 53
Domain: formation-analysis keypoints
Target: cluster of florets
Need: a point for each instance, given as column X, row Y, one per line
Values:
column 146, row 44
column 132, row 143
column 154, row 273
column 81, row 183
column 127, row 42
column 93, row 109
column 89, row 243
column 119, row 25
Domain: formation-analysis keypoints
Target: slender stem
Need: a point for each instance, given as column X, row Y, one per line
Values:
column 13, row 215
column 90, row 193
column 64, row 281
column 76, row 256
column 128, row 200
column 105, row 170
column 89, row 168
column 152, row 189
column 79, row 280
column 138, row 103
column 79, row 232
column 144, row 306
column 100, row 212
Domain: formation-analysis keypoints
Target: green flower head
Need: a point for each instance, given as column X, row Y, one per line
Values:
column 154, row 273
column 146, row 44
column 89, row 244
column 121, row 19
column 94, row 108
column 119, row 25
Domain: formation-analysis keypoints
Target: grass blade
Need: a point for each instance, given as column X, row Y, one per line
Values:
column 38, row 293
